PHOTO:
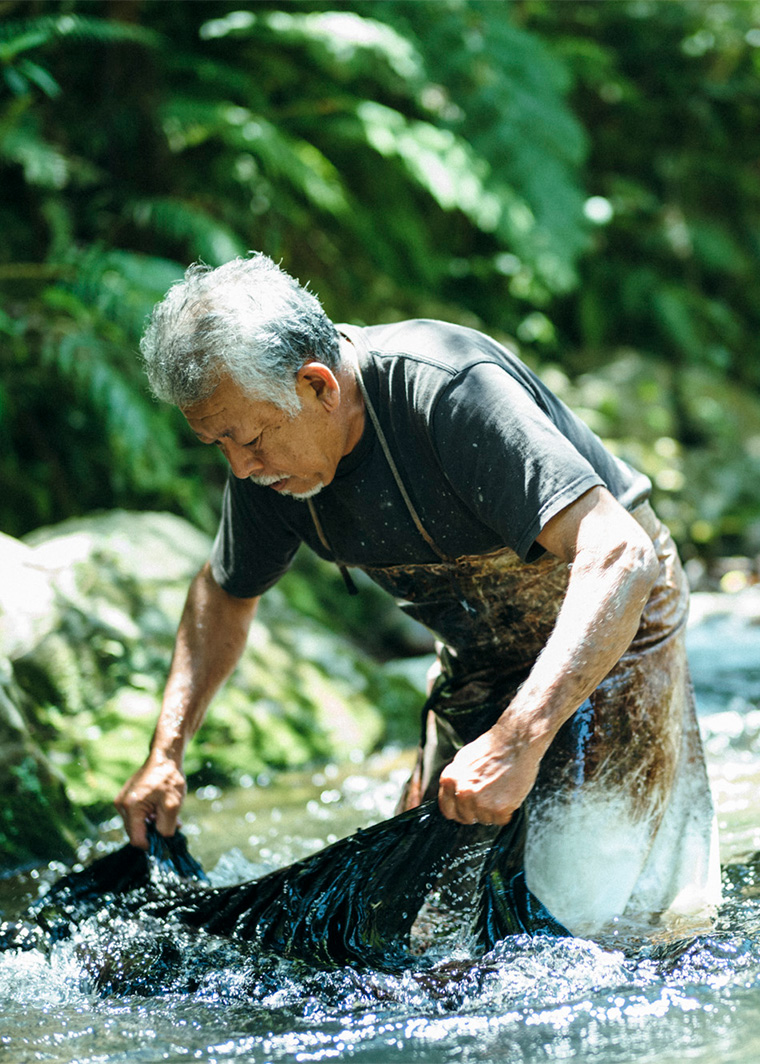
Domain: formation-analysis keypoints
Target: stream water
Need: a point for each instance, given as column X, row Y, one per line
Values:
column 99, row 998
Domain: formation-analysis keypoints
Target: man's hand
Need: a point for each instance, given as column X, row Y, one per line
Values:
column 489, row 779
column 613, row 568
column 155, row 792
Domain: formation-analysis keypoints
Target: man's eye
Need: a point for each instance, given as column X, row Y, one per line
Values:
column 254, row 442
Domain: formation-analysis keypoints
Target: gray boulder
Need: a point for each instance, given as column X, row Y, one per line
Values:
column 88, row 612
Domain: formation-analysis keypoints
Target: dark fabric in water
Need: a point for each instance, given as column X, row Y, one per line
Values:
column 80, row 894
column 352, row 903
column 506, row 905
column 108, row 881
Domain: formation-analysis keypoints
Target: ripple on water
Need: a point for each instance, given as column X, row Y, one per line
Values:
column 121, row 993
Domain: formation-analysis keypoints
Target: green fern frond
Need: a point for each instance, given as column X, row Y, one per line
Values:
column 43, row 164
column 283, row 157
column 26, row 73
column 23, row 35
column 119, row 441
column 81, row 344
column 444, row 165
column 121, row 286
column 207, row 238
column 503, row 92
column 216, row 80
column 138, row 434
column 344, row 39
column 296, row 161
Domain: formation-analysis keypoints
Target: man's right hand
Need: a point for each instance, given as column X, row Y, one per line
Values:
column 155, row 793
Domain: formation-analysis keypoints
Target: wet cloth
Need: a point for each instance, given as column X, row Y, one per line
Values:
column 620, row 821
column 352, row 903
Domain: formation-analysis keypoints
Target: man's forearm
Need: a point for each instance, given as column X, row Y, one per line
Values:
column 595, row 626
column 211, row 637
column 614, row 567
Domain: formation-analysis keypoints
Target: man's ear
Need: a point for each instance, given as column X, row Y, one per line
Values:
column 319, row 379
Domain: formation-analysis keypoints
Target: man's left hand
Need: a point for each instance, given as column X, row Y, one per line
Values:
column 613, row 567
column 489, row 779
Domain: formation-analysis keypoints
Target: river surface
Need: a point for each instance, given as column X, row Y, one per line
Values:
column 527, row 1001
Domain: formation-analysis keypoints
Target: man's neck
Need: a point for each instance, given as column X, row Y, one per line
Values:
column 351, row 395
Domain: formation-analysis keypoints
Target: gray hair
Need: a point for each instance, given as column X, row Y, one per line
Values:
column 248, row 320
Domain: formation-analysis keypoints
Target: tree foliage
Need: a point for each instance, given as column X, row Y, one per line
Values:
column 671, row 96
column 135, row 138
column 579, row 175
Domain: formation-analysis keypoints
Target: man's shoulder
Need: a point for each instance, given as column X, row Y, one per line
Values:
column 411, row 368
column 428, row 345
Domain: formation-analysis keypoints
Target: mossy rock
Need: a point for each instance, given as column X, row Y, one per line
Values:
column 86, row 656
column 37, row 815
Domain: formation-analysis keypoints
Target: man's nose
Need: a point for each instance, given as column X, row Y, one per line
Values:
column 242, row 461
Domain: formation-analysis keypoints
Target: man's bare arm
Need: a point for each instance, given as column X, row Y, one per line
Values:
column 614, row 567
column 211, row 637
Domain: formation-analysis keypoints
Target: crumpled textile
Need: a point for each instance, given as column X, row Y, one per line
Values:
column 352, row 903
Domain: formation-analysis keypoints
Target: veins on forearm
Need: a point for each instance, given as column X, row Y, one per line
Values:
column 595, row 626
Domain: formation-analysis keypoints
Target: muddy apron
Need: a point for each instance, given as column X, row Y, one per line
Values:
column 620, row 819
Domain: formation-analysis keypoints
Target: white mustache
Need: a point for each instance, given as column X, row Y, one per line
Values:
column 264, row 482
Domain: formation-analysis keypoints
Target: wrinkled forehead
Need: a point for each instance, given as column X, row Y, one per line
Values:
column 229, row 411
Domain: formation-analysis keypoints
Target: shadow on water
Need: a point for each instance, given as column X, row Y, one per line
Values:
column 132, row 988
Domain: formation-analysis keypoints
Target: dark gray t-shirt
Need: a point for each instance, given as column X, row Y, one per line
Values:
column 486, row 452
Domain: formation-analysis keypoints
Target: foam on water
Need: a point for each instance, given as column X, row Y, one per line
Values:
column 115, row 993
column 100, row 999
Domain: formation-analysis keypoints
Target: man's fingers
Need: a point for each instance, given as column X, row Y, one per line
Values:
column 155, row 793
column 135, row 812
column 453, row 806
column 467, row 807
column 166, row 821
column 136, row 827
column 137, row 816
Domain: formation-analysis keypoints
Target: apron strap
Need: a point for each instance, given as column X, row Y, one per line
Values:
column 350, row 585
column 358, row 341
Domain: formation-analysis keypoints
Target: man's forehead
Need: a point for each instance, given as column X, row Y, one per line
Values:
column 227, row 410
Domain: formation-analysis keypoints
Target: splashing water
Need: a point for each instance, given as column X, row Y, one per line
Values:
column 132, row 990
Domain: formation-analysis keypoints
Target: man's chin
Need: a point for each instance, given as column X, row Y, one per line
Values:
column 303, row 494
column 271, row 481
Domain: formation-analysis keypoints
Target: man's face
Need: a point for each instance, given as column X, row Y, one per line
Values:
column 294, row 456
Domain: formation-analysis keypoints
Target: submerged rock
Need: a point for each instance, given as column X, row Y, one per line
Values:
column 88, row 613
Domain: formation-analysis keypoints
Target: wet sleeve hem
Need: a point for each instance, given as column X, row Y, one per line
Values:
column 527, row 548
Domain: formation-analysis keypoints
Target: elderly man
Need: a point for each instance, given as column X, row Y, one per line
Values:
column 429, row 456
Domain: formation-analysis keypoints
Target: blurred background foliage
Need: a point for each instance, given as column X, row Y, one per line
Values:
column 582, row 176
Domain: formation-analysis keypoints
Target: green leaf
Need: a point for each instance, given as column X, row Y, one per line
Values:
column 26, row 34
column 40, row 77
column 44, row 165
column 208, row 238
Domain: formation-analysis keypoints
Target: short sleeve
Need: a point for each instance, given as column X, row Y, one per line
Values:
column 504, row 456
column 254, row 547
